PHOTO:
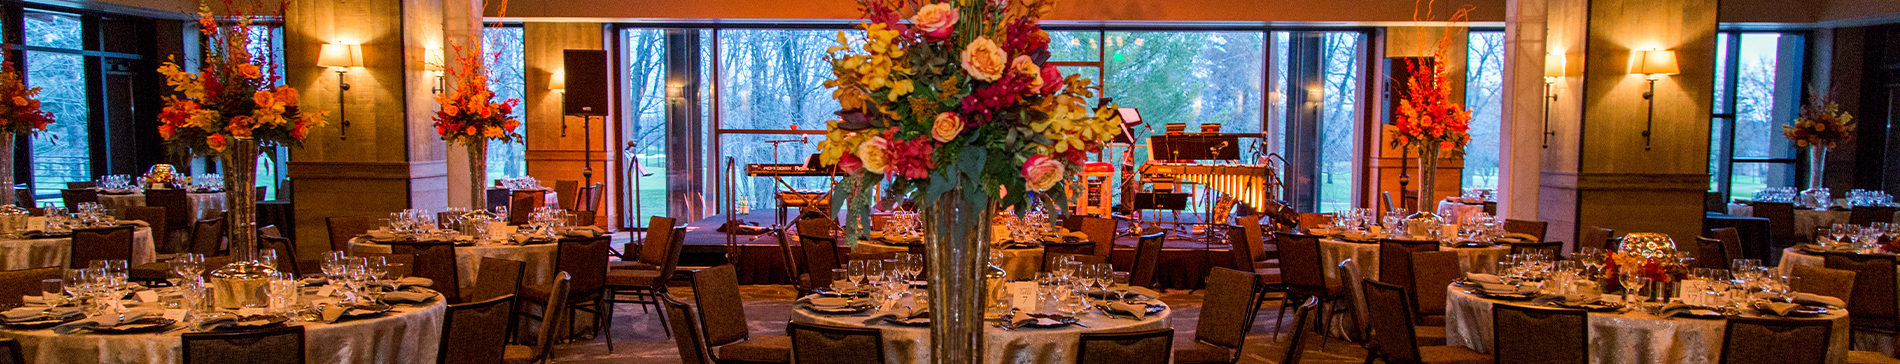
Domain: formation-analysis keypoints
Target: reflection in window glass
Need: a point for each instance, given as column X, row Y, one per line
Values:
column 1193, row 78
column 1276, row 96
column 1075, row 46
column 53, row 30
column 1484, row 88
column 645, row 62
column 62, row 153
column 1340, row 52
column 502, row 58
column 1721, row 73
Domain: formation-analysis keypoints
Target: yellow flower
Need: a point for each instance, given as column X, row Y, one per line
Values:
column 983, row 60
column 875, row 154
column 900, row 88
column 491, row 132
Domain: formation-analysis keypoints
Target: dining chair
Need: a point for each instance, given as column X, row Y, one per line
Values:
column 207, row 236
column 1242, row 246
column 403, row 265
column 1823, row 281
column 1731, row 239
column 1100, row 231
column 497, row 277
column 722, row 317
column 178, row 212
column 286, row 253
column 826, row 344
column 476, row 332
column 1394, row 339
column 343, row 228
column 647, row 285
column 1431, row 273
column 436, row 261
column 1125, row 347
column 10, row 352
column 494, row 197
column 1535, row 229
column 550, row 314
column 1861, row 215
column 1872, row 302
column 566, row 192
column 1303, row 270
column 1226, row 317
column 73, row 197
column 584, row 260
column 1309, row 220
column 15, row 284
column 1147, row 259
column 587, row 204
column 108, row 243
column 820, row 251
column 648, row 256
column 1594, row 237
column 1780, row 215
column 1530, row 335
column 23, row 198
column 521, row 204
column 1749, row 340
column 1709, row 253
column 278, row 345
column 1348, row 271
column 1395, row 259
column 154, row 218
column 687, row 334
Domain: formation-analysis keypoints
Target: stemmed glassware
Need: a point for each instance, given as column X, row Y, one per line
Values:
column 1633, row 283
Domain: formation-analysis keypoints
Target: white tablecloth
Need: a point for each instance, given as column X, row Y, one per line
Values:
column 409, row 334
column 1805, row 220
column 16, row 254
column 1333, row 251
column 910, row 345
column 1627, row 337
column 1454, row 212
column 468, row 259
column 201, row 204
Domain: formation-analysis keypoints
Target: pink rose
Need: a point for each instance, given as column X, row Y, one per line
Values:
column 936, row 20
column 875, row 155
column 1041, row 172
column 1052, row 79
column 946, row 127
column 1022, row 65
column 983, row 60
column 999, row 4
column 850, row 164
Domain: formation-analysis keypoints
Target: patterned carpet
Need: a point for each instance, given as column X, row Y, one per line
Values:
column 638, row 338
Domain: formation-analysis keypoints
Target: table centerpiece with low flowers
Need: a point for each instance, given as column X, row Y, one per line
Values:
column 470, row 117
column 953, row 105
column 1821, row 125
column 1429, row 124
column 230, row 107
column 1653, row 255
column 20, row 115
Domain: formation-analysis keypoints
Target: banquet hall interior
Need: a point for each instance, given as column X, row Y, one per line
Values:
column 949, row 181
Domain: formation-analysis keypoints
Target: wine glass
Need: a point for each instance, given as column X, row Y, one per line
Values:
column 1717, row 284
column 1633, row 283
column 51, row 290
column 1840, row 231
column 1119, row 281
column 858, row 269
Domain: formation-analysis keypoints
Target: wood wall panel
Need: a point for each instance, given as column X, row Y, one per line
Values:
column 551, row 153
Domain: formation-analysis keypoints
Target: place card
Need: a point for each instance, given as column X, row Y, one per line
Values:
column 1024, row 294
column 326, row 291
column 176, row 314
column 148, row 296
column 1691, row 292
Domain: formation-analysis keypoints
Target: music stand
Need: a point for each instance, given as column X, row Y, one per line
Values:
column 1173, row 201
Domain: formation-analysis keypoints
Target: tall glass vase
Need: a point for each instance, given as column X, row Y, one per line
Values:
column 478, row 175
column 1424, row 223
column 1817, row 194
column 243, row 282
column 957, row 243
column 6, row 169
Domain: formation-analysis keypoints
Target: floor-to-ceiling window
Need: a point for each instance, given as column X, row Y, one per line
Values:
column 502, row 58
column 1195, row 78
column 772, row 105
column 644, row 106
column 1484, row 91
column 1343, row 74
column 64, row 152
column 267, row 44
column 1757, row 91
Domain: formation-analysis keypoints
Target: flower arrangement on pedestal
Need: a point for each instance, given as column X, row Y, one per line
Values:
column 230, row 106
column 1821, row 125
column 959, row 111
column 471, row 117
column 1429, row 123
column 20, row 114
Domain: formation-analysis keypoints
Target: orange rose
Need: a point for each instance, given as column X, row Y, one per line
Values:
column 983, row 60
column 936, row 20
column 287, row 96
column 301, row 130
column 167, row 131
column 1022, row 65
column 250, row 71
column 216, row 141
column 946, row 127
column 1041, row 173
column 875, row 154
column 241, row 126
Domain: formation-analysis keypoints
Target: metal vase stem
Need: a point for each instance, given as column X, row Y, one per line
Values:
column 956, row 239
column 478, row 175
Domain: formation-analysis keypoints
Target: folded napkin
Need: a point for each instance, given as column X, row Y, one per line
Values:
column 1777, row 308
column 37, row 313
column 406, row 282
column 105, row 320
column 33, row 300
column 222, row 320
column 382, row 235
column 584, row 232
column 829, row 302
column 1500, row 288
column 407, row 297
column 1143, row 291
column 1140, row 311
column 1818, row 300
column 898, row 315
column 140, row 223
column 1679, row 309
column 1483, row 278
column 315, row 281
column 333, row 312
column 1521, row 237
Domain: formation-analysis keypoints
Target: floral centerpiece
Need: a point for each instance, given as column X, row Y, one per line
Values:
column 228, row 107
column 958, row 110
column 1658, row 270
column 1429, row 123
column 20, row 114
column 471, row 117
column 1821, row 125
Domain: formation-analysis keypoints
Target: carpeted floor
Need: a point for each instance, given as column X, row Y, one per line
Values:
column 638, row 338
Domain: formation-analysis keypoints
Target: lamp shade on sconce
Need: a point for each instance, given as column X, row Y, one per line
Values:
column 557, row 81
column 1658, row 63
column 340, row 55
column 432, row 60
column 1554, row 66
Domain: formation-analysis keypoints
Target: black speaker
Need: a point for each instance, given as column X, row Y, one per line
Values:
column 586, row 71
column 1398, row 82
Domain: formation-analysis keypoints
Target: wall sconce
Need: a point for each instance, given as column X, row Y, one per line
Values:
column 1654, row 64
column 341, row 57
column 434, row 63
column 557, row 82
column 675, row 93
column 1554, row 67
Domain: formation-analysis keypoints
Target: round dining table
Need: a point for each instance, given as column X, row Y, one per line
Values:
column 1366, row 256
column 21, row 253
column 1018, row 262
column 202, row 205
column 1632, row 336
column 910, row 344
column 540, row 259
column 411, row 333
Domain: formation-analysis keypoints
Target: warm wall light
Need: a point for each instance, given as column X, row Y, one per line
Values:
column 433, row 62
column 1554, row 68
column 558, row 81
column 341, row 57
column 1653, row 65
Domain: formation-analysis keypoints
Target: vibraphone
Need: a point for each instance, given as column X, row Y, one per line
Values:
column 1252, row 184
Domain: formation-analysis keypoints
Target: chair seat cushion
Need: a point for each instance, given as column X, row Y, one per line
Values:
column 517, row 354
column 632, row 278
column 758, row 349
column 1869, row 357
column 1268, row 275
column 622, row 264
column 1431, row 321
column 1199, row 352
column 1452, row 355
column 1429, row 335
